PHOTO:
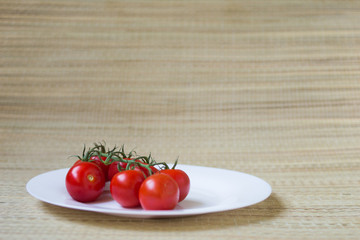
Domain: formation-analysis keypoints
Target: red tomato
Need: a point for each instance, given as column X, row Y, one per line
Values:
column 85, row 182
column 124, row 187
column 113, row 169
column 159, row 192
column 182, row 179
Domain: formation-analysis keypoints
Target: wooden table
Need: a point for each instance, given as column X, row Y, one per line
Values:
column 270, row 88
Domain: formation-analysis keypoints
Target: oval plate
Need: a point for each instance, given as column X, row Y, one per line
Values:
column 212, row 190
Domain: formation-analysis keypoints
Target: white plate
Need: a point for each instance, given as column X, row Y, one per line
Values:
column 212, row 190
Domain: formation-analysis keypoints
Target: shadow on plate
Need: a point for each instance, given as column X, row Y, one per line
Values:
column 264, row 211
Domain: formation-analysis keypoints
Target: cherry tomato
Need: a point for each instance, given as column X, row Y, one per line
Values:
column 124, row 187
column 85, row 182
column 159, row 192
column 113, row 169
column 182, row 179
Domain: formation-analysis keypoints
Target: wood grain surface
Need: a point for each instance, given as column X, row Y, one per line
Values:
column 270, row 88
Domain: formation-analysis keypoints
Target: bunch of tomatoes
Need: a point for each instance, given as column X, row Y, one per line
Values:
column 134, row 180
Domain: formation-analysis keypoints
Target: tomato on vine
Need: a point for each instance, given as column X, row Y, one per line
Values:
column 124, row 187
column 182, row 179
column 85, row 181
column 134, row 180
column 159, row 192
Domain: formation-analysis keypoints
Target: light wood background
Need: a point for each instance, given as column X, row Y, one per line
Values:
column 270, row 88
